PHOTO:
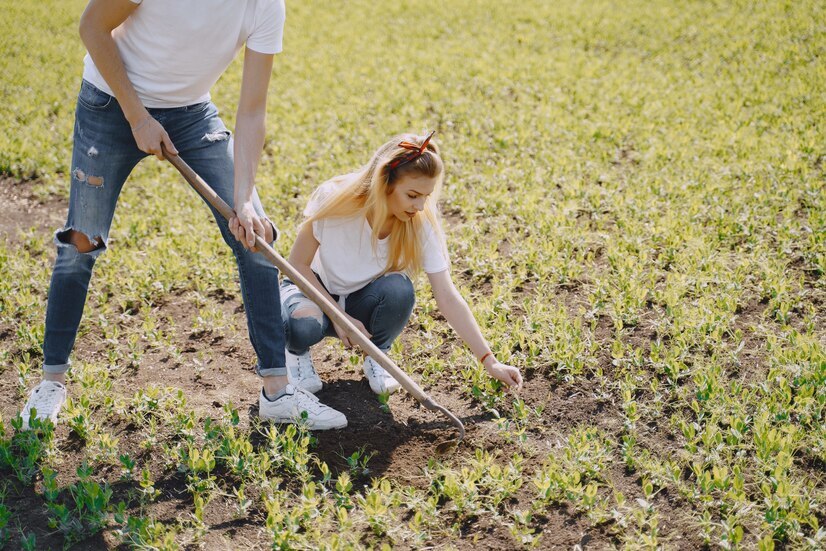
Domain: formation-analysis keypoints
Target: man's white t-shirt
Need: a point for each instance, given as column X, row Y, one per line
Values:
column 175, row 50
column 345, row 260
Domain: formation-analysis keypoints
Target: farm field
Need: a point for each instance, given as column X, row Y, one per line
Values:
column 635, row 208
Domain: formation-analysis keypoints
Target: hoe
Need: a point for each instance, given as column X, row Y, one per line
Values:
column 312, row 293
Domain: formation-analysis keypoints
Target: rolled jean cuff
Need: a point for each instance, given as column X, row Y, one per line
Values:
column 56, row 368
column 271, row 371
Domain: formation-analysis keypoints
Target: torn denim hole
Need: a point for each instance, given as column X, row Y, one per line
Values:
column 217, row 136
column 61, row 241
column 306, row 309
column 80, row 176
column 92, row 151
column 289, row 290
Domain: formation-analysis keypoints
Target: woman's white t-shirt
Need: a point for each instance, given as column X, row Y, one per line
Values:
column 175, row 50
column 345, row 260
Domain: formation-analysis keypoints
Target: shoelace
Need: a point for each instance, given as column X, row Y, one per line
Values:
column 305, row 368
column 375, row 369
column 47, row 399
column 304, row 398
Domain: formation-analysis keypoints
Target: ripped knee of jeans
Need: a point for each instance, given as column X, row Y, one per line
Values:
column 304, row 328
column 71, row 238
column 307, row 311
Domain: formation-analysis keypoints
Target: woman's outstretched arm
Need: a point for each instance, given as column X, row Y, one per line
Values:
column 457, row 313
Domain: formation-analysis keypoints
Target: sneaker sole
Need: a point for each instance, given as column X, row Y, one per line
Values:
column 309, row 387
column 291, row 421
column 390, row 390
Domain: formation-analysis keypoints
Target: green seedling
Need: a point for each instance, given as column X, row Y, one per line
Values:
column 5, row 516
column 128, row 465
column 144, row 533
column 86, row 513
column 384, row 401
column 26, row 451
column 357, row 462
column 148, row 490
column 28, row 541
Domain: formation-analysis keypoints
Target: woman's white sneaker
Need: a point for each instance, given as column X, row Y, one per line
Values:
column 290, row 408
column 381, row 381
column 302, row 372
column 46, row 399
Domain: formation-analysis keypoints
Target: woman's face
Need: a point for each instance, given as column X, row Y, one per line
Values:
column 409, row 194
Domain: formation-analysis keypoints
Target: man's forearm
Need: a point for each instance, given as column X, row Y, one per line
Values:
column 249, row 142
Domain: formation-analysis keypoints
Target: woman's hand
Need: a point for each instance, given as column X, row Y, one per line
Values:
column 505, row 373
column 345, row 335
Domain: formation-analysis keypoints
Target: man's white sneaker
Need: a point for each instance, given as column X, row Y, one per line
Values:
column 302, row 372
column 380, row 380
column 46, row 399
column 291, row 407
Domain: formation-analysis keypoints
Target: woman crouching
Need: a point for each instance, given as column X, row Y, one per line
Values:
column 365, row 235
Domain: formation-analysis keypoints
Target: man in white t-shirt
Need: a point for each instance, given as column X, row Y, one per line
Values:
column 146, row 81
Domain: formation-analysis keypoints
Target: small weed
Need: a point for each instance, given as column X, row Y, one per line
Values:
column 5, row 516
column 145, row 533
column 384, row 401
column 128, row 465
column 357, row 462
column 28, row 542
column 26, row 451
column 86, row 513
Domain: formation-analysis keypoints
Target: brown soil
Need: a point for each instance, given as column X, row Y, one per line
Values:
column 21, row 211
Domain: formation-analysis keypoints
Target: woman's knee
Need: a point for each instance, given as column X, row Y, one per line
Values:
column 397, row 289
column 304, row 328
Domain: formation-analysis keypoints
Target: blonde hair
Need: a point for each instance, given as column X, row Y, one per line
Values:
column 366, row 191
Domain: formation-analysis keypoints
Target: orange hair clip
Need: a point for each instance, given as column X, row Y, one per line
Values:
column 416, row 152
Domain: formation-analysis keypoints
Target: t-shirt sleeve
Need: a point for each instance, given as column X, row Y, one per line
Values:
column 434, row 249
column 268, row 27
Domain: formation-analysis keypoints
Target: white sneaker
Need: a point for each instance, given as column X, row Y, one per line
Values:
column 302, row 372
column 380, row 380
column 46, row 399
column 291, row 407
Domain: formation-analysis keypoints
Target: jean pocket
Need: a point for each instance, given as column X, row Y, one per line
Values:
column 93, row 98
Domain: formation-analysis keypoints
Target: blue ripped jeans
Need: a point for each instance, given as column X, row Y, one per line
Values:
column 103, row 156
column 384, row 305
